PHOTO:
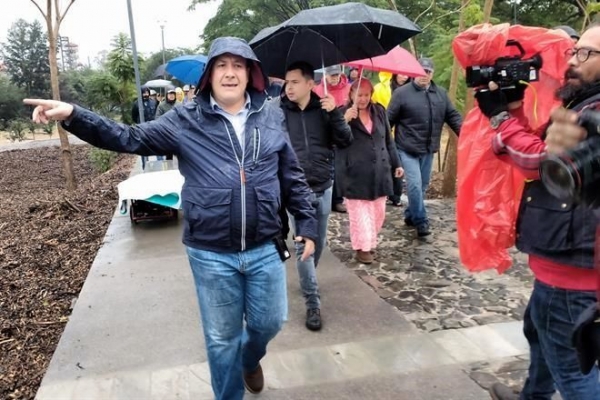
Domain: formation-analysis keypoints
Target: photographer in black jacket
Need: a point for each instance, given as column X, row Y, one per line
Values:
column 558, row 235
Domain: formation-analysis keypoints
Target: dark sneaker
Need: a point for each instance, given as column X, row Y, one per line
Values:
column 408, row 222
column 394, row 202
column 423, row 230
column 254, row 381
column 499, row 391
column 313, row 319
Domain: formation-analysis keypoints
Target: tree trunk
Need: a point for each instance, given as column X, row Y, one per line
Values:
column 449, row 183
column 487, row 10
column 65, row 147
column 411, row 41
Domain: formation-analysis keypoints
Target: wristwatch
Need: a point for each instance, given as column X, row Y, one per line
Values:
column 497, row 119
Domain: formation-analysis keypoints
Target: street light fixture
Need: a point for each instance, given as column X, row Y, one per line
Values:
column 162, row 24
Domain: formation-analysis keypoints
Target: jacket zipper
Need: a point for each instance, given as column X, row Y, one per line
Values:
column 430, row 120
column 242, row 183
column 242, row 175
column 305, row 138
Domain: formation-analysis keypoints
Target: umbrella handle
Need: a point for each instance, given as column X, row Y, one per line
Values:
column 323, row 69
column 360, row 76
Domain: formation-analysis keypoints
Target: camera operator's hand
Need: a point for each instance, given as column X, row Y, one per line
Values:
column 564, row 132
column 496, row 100
column 491, row 101
column 515, row 96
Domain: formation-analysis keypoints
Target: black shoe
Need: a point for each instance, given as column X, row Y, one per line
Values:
column 423, row 230
column 313, row 319
column 408, row 222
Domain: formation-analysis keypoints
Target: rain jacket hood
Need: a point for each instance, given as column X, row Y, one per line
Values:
column 237, row 47
column 382, row 92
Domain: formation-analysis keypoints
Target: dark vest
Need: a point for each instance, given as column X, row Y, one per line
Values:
column 563, row 232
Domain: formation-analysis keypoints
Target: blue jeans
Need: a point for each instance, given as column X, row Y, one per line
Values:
column 548, row 325
column 307, row 269
column 417, row 171
column 232, row 288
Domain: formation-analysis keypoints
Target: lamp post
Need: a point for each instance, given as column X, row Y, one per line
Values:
column 136, row 69
column 162, row 25
column 515, row 4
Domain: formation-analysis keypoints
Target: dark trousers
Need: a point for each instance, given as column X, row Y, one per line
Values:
column 335, row 196
column 548, row 325
column 395, row 198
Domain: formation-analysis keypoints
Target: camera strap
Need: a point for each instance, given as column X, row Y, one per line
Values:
column 597, row 265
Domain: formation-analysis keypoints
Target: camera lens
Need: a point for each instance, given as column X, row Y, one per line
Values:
column 560, row 178
column 575, row 174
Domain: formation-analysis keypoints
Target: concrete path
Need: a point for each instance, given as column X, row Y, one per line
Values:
column 36, row 144
column 135, row 334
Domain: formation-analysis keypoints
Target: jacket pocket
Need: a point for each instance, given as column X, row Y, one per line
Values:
column 321, row 171
column 268, row 203
column 208, row 212
column 545, row 223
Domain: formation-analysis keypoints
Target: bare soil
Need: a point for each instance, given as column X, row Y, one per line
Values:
column 48, row 240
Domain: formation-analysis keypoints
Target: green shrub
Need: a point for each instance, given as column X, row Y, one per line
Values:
column 48, row 128
column 17, row 129
column 102, row 160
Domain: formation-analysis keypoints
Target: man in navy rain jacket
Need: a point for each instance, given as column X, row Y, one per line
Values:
column 238, row 164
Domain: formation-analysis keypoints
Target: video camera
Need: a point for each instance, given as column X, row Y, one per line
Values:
column 506, row 71
column 575, row 174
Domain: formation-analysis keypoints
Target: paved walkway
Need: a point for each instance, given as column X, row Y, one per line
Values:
column 135, row 334
column 35, row 144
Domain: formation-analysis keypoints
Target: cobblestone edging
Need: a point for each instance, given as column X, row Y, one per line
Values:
column 424, row 279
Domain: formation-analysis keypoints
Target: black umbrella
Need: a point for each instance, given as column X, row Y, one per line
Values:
column 331, row 35
column 160, row 71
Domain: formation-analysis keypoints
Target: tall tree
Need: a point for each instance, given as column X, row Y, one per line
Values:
column 26, row 56
column 11, row 106
column 245, row 18
column 449, row 183
column 120, row 64
column 102, row 93
column 54, row 16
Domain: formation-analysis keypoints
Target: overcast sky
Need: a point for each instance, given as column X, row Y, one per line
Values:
column 93, row 23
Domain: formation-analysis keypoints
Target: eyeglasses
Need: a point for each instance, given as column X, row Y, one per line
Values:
column 582, row 54
column 428, row 71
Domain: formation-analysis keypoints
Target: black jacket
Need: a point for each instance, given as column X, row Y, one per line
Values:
column 365, row 168
column 313, row 132
column 150, row 106
column 561, row 231
column 419, row 115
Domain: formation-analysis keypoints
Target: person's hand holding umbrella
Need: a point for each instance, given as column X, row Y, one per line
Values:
column 328, row 103
column 351, row 113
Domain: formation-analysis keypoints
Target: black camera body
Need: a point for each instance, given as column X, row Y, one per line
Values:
column 575, row 174
column 506, row 71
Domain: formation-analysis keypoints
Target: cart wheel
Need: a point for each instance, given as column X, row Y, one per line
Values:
column 133, row 221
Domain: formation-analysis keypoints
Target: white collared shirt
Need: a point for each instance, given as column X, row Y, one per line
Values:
column 238, row 120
